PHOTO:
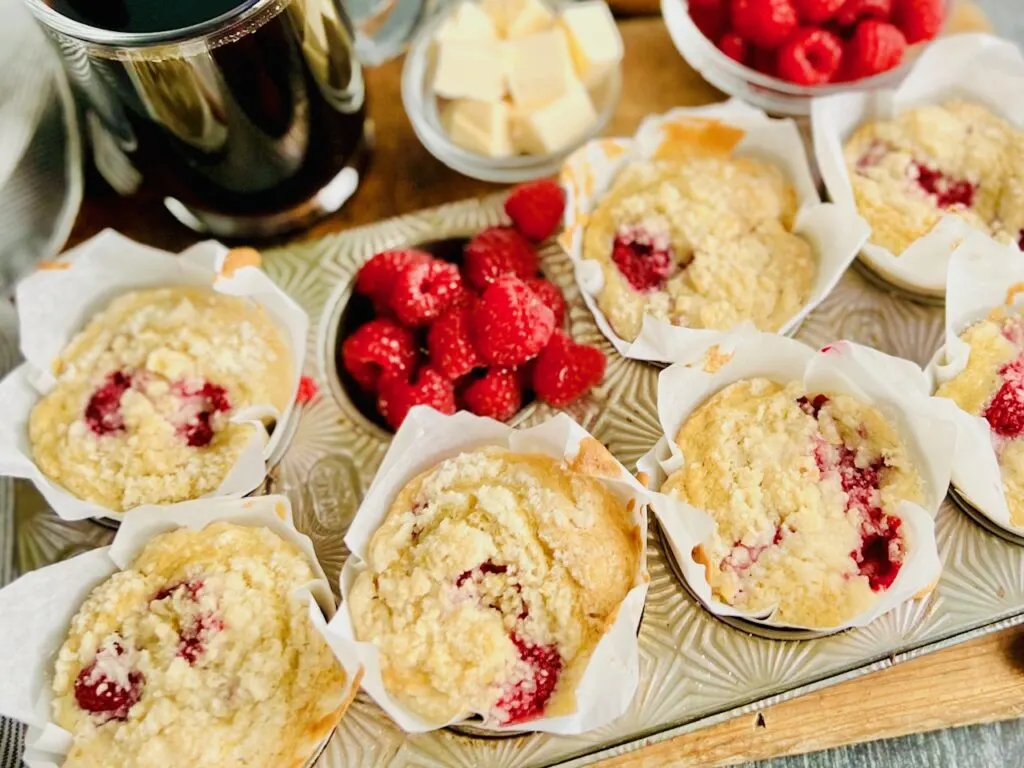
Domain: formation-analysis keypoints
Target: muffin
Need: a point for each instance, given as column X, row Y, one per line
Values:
column 490, row 582
column 803, row 488
column 144, row 397
column 702, row 242
column 199, row 655
column 955, row 158
column 992, row 386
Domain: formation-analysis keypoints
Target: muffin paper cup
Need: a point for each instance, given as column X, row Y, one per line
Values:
column 835, row 233
column 982, row 277
column 427, row 438
column 54, row 304
column 38, row 607
column 980, row 68
column 898, row 388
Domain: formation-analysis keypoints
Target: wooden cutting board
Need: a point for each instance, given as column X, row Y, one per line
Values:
column 981, row 681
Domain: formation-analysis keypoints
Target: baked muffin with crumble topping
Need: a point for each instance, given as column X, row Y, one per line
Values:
column 144, row 397
column 956, row 158
column 992, row 386
column 490, row 583
column 199, row 655
column 701, row 243
column 803, row 487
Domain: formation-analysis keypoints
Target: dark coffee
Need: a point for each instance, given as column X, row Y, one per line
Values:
column 142, row 15
column 256, row 118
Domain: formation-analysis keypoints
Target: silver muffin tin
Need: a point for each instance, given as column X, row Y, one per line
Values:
column 695, row 669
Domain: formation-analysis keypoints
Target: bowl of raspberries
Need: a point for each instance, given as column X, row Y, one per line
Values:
column 779, row 54
column 465, row 324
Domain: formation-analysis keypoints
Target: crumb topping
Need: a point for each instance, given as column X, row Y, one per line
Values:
column 802, row 487
column 198, row 655
column 490, row 583
column 705, row 243
column 145, row 393
column 956, row 158
column 992, row 386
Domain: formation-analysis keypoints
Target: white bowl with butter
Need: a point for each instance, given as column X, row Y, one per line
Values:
column 504, row 90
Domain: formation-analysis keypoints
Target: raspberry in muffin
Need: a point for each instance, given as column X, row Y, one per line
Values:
column 199, row 655
column 803, row 487
column 491, row 581
column 141, row 411
column 956, row 159
column 704, row 242
column 992, row 386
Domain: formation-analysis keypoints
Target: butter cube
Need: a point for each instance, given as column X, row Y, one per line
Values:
column 555, row 126
column 540, row 68
column 526, row 17
column 470, row 70
column 468, row 22
column 593, row 39
column 482, row 127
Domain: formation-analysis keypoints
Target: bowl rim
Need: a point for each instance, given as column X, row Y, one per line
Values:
column 417, row 99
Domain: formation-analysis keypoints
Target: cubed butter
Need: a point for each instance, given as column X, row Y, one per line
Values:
column 468, row 22
column 470, row 70
column 526, row 17
column 482, row 127
column 556, row 125
column 594, row 40
column 540, row 68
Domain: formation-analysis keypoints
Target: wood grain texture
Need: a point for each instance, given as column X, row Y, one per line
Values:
column 982, row 681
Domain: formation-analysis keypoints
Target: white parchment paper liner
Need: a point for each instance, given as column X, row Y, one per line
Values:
column 981, row 273
column 427, row 438
column 835, row 233
column 37, row 609
column 898, row 388
column 55, row 304
column 980, row 68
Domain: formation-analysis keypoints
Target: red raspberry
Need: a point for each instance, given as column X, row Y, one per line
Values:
column 449, row 344
column 377, row 276
column 763, row 61
column 711, row 17
column 105, row 698
column 810, row 57
column 1005, row 414
column 380, row 347
column 565, row 371
column 853, row 11
column 510, row 324
column 876, row 46
column 496, row 395
column 200, row 404
column 765, row 23
column 528, row 698
column 499, row 251
column 423, row 291
column 548, row 293
column 880, row 556
column 536, row 208
column 817, row 11
column 103, row 411
column 948, row 192
column 308, row 390
column 735, row 47
column 919, row 19
column 397, row 396
column 644, row 259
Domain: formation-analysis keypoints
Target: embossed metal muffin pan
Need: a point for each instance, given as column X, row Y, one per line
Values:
column 695, row 669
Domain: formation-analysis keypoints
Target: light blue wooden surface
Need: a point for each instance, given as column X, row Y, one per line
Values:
column 986, row 746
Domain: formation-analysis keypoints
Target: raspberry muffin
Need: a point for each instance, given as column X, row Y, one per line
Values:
column 803, row 487
column 491, row 581
column 141, row 411
column 992, row 386
column 701, row 243
column 955, row 158
column 199, row 655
